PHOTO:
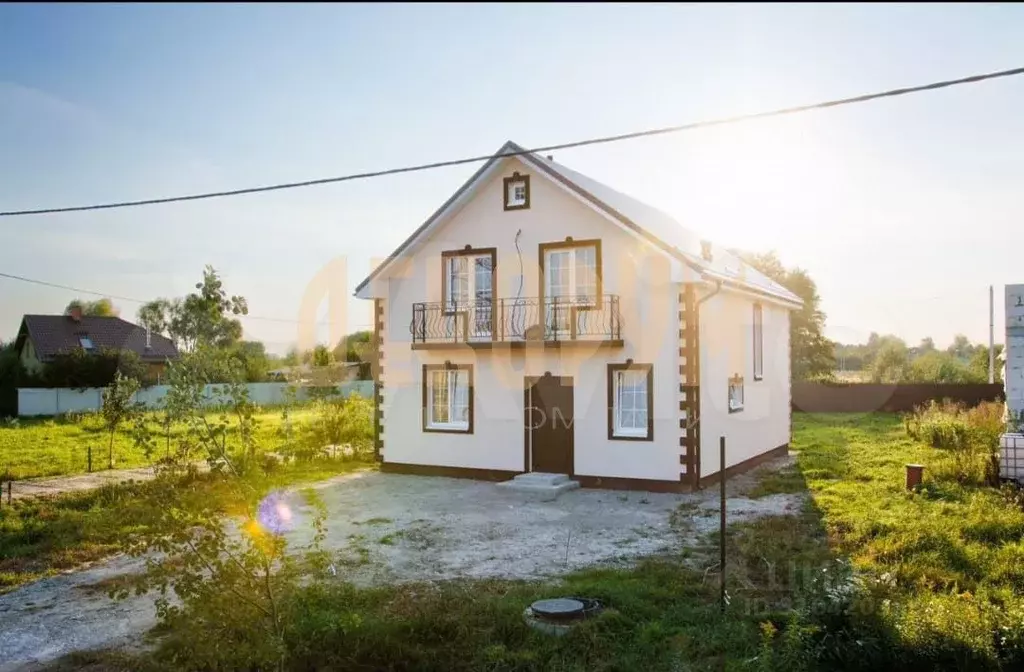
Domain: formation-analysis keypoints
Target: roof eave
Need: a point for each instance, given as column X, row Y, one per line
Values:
column 743, row 287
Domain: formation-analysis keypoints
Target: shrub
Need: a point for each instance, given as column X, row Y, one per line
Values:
column 969, row 438
column 337, row 422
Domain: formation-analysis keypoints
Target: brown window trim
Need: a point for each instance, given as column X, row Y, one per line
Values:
column 758, row 333
column 570, row 243
column 465, row 252
column 447, row 366
column 515, row 177
column 735, row 379
column 630, row 366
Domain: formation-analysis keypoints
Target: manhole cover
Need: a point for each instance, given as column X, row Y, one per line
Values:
column 559, row 608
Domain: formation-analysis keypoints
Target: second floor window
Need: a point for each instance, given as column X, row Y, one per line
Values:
column 468, row 278
column 571, row 274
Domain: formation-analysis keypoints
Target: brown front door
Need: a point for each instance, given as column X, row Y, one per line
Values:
column 549, row 425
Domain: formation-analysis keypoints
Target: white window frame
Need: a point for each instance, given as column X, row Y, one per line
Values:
column 758, row 334
column 735, row 394
column 453, row 379
column 573, row 296
column 639, row 403
column 516, row 193
column 467, row 266
column 84, row 340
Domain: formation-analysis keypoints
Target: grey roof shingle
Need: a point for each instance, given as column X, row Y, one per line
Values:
column 55, row 334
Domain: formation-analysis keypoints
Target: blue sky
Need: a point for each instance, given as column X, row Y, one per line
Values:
column 904, row 211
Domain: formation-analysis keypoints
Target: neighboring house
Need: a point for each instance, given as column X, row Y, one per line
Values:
column 43, row 337
column 307, row 374
column 542, row 321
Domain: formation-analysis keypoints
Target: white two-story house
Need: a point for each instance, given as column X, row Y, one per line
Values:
column 542, row 321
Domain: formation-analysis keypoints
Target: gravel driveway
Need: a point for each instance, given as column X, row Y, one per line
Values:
column 389, row 527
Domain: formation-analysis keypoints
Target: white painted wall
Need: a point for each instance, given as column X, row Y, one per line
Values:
column 727, row 349
column 54, row 401
column 636, row 272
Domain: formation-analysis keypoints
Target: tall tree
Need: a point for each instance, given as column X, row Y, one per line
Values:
column 927, row 345
column 356, row 347
column 811, row 353
column 98, row 308
column 961, row 347
column 200, row 318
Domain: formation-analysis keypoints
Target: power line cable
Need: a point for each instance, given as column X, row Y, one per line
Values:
column 891, row 93
column 129, row 299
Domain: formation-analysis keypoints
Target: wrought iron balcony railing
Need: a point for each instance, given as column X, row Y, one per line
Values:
column 554, row 319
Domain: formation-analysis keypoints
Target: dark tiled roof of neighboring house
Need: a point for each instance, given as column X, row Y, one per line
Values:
column 55, row 334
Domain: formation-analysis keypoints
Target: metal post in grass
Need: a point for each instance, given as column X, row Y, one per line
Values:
column 721, row 522
column 89, row 449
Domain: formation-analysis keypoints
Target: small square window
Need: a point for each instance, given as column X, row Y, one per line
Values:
column 86, row 343
column 735, row 394
column 517, row 192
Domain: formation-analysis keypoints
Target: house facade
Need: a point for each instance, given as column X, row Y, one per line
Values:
column 541, row 321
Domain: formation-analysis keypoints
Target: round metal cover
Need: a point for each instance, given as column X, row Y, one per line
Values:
column 558, row 608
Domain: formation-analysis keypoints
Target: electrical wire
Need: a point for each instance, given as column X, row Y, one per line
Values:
column 129, row 299
column 863, row 98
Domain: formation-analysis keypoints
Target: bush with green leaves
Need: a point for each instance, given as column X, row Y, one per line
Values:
column 222, row 572
column 337, row 423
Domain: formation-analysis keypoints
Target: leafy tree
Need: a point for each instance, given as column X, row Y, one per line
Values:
column 356, row 347
column 927, row 345
column 322, row 356
column 12, row 376
column 252, row 357
column 812, row 354
column 937, row 367
column 200, row 318
column 222, row 575
column 97, row 308
column 961, row 348
column 119, row 407
column 891, row 364
column 978, row 364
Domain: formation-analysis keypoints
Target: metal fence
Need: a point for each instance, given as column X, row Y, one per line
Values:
column 518, row 319
column 56, row 401
column 904, row 397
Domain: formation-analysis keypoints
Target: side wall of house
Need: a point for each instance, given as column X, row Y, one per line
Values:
column 727, row 350
column 649, row 308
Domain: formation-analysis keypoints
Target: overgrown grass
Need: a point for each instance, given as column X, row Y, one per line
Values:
column 34, row 447
column 867, row 576
column 42, row 536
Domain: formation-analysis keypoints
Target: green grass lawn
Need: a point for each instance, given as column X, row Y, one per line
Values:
column 56, row 446
column 933, row 580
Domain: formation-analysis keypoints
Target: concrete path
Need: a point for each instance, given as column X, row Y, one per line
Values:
column 56, row 485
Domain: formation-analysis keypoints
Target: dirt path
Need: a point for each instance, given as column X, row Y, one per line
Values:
column 392, row 528
column 55, row 485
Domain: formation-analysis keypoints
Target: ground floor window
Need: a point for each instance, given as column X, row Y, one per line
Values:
column 735, row 394
column 631, row 401
column 448, row 398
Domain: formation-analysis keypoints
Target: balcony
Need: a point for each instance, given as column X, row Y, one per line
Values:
column 550, row 322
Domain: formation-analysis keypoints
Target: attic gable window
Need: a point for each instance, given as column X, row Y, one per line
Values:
column 86, row 343
column 517, row 192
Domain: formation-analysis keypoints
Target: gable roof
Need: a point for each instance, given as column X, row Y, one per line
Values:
column 652, row 224
column 55, row 334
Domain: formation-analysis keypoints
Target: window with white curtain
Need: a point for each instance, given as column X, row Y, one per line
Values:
column 630, row 401
column 448, row 392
